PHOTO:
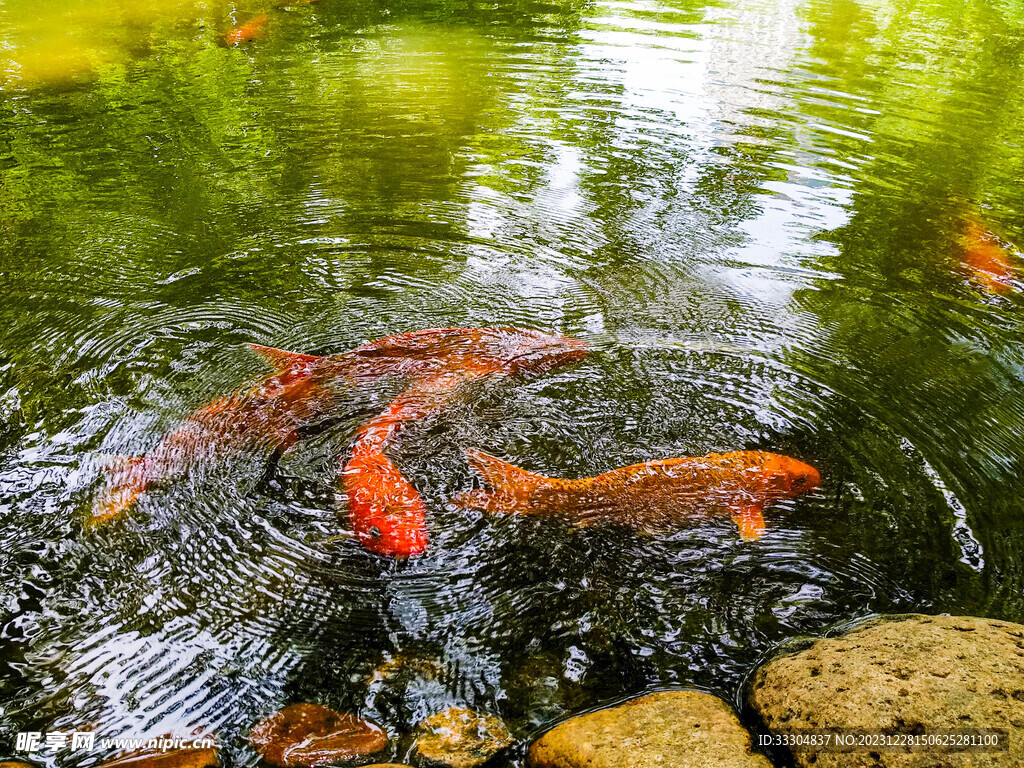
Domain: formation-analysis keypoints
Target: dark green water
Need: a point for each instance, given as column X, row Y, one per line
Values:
column 749, row 209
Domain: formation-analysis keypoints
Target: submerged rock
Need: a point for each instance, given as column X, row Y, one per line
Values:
column 910, row 674
column 404, row 666
column 461, row 738
column 670, row 729
column 310, row 734
column 172, row 758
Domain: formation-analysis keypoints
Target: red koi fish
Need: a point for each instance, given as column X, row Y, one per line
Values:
column 988, row 258
column 247, row 32
column 306, row 388
column 385, row 510
column 656, row 496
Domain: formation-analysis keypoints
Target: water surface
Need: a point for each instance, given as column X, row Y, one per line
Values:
column 750, row 209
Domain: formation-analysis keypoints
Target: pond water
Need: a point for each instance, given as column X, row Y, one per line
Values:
column 752, row 211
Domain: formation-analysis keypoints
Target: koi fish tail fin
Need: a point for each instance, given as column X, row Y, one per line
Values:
column 512, row 487
column 500, row 475
column 485, row 501
column 127, row 478
column 750, row 522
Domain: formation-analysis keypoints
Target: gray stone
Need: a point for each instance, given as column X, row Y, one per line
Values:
column 905, row 675
column 670, row 729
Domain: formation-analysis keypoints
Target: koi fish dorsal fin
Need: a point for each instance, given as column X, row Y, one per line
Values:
column 280, row 358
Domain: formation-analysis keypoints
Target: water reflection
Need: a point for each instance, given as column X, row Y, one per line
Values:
column 751, row 210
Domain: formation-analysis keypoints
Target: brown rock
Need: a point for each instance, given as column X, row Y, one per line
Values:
column 16, row 764
column 172, row 758
column 461, row 738
column 909, row 674
column 670, row 729
column 309, row 734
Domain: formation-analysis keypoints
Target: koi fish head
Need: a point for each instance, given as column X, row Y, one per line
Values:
column 785, row 477
column 530, row 351
column 394, row 533
column 385, row 511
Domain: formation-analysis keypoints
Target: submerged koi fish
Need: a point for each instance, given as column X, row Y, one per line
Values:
column 269, row 414
column 655, row 496
column 306, row 388
column 987, row 257
column 247, row 32
column 385, row 510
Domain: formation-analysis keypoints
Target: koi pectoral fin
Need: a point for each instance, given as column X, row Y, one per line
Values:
column 750, row 522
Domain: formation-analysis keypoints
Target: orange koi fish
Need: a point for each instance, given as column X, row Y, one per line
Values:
column 385, row 510
column 987, row 257
column 247, row 32
column 656, row 496
column 306, row 388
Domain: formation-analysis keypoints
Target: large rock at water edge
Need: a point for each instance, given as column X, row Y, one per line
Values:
column 911, row 674
column 671, row 729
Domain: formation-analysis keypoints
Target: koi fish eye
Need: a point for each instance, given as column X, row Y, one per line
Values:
column 802, row 483
column 374, row 532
